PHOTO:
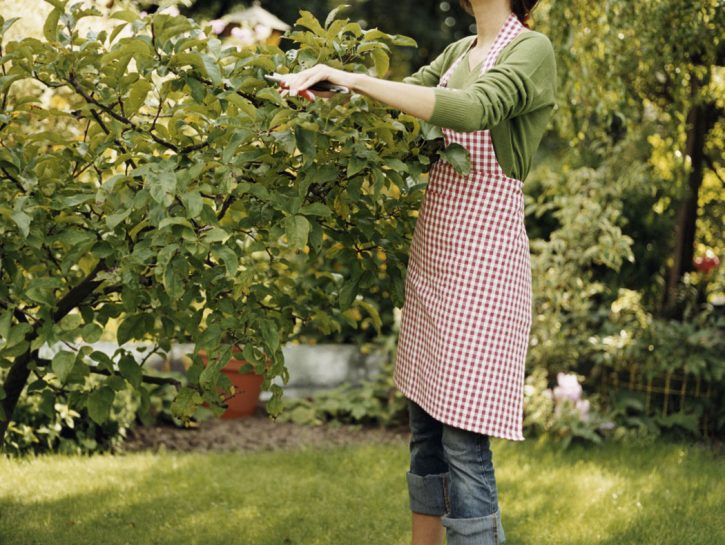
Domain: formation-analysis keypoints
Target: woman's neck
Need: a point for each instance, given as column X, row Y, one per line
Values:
column 490, row 16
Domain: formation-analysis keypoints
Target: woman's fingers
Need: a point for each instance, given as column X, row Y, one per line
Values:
column 294, row 84
column 309, row 95
column 306, row 78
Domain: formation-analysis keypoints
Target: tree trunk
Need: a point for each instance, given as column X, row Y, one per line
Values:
column 14, row 384
column 698, row 124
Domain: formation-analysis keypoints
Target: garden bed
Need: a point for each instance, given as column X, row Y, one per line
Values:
column 255, row 433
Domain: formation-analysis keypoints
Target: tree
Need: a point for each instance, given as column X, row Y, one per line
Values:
column 180, row 193
column 656, row 108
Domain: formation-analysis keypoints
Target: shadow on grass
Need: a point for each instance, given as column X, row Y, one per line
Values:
column 304, row 496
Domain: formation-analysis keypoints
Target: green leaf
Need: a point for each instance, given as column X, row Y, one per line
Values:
column 306, row 143
column 185, row 403
column 374, row 34
column 242, row 103
column 229, row 258
column 23, row 222
column 5, row 322
column 212, row 69
column 237, row 138
column 355, row 165
column 99, row 404
column 458, row 157
column 62, row 364
column 315, row 209
column 114, row 219
column 198, row 90
column 271, row 94
column 215, row 234
column 163, row 184
column 308, row 20
column 331, row 16
column 175, row 220
column 50, row 28
column 268, row 330
column 297, row 229
column 41, row 290
column 174, row 276
column 132, row 327
column 193, row 203
column 115, row 32
column 130, row 370
column 374, row 315
column 136, row 97
column 125, row 15
column 7, row 24
column 405, row 41
column 348, row 291
column 382, row 62
column 91, row 332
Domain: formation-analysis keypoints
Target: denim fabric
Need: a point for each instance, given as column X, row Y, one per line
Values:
column 451, row 475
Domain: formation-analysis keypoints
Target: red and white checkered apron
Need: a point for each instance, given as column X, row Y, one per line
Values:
column 466, row 319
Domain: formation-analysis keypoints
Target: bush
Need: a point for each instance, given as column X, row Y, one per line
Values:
column 168, row 185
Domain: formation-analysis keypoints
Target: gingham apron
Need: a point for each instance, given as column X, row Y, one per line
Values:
column 467, row 314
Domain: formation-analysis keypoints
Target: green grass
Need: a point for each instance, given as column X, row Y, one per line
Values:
column 615, row 495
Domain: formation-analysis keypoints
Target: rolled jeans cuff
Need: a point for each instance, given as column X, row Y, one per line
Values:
column 486, row 530
column 428, row 493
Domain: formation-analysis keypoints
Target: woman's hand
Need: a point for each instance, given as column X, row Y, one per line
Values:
column 299, row 82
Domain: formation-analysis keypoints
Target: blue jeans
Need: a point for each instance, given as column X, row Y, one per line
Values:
column 451, row 475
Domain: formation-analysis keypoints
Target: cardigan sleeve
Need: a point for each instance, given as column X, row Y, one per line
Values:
column 523, row 81
column 429, row 74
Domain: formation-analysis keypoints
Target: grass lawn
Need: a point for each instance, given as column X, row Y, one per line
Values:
column 353, row 495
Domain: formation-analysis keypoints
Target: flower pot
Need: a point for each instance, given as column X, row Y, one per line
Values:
column 247, row 387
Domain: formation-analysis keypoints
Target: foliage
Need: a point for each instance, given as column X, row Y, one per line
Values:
column 611, row 180
column 58, row 421
column 173, row 188
column 654, row 63
column 373, row 401
column 46, row 421
column 561, row 419
column 433, row 24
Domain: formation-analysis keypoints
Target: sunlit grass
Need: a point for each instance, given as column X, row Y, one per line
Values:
column 618, row 495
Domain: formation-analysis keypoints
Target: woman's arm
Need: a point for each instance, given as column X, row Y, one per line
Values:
column 412, row 95
column 407, row 97
column 524, row 81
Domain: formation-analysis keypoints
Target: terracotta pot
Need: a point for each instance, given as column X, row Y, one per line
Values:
column 247, row 387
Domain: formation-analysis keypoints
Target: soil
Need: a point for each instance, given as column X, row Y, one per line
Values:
column 256, row 433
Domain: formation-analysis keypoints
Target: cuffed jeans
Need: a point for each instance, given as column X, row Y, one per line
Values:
column 451, row 475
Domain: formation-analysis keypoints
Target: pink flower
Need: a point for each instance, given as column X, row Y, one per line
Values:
column 171, row 10
column 568, row 388
column 582, row 406
column 218, row 26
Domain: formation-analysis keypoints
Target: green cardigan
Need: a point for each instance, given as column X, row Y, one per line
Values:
column 514, row 99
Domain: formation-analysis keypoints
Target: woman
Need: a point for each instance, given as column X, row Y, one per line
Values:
column 466, row 319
